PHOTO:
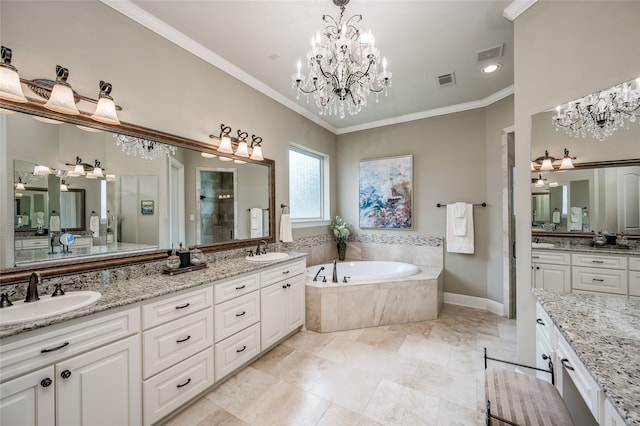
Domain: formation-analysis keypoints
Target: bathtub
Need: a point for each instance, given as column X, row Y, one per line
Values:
column 376, row 293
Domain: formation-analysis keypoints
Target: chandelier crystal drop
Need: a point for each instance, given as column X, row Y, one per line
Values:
column 343, row 67
column 148, row 150
column 600, row 113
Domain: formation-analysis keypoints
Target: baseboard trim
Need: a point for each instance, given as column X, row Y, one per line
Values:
column 474, row 302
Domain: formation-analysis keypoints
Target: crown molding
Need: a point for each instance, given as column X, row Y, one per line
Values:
column 517, row 8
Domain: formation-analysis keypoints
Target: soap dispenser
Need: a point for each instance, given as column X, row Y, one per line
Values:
column 185, row 257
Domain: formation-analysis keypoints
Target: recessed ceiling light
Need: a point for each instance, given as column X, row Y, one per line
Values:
column 491, row 68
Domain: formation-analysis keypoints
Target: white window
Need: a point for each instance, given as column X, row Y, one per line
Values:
column 308, row 183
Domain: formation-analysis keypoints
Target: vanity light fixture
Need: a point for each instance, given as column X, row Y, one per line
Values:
column 243, row 149
column 539, row 182
column 106, row 110
column 78, row 169
column 225, row 140
column 256, row 153
column 62, row 98
column 10, row 88
column 96, row 172
column 20, row 185
column 63, row 186
column 567, row 161
column 546, row 162
column 39, row 170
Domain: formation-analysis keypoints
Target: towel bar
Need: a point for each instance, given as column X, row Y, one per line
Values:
column 475, row 205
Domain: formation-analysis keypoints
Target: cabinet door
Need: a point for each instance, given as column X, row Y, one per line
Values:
column 273, row 319
column 553, row 277
column 29, row 400
column 294, row 303
column 101, row 387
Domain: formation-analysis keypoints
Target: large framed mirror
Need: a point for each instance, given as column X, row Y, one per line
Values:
column 600, row 194
column 137, row 209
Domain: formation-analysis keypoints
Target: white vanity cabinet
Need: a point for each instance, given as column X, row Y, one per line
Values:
column 545, row 342
column 178, row 350
column 84, row 372
column 634, row 276
column 282, row 301
column 599, row 272
column 551, row 270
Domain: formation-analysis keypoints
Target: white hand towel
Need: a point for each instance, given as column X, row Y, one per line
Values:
column 460, row 219
column 256, row 222
column 94, row 225
column 460, row 243
column 575, row 219
column 556, row 217
column 285, row 228
column 54, row 224
column 39, row 219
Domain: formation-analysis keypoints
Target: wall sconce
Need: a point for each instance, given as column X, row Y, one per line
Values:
column 242, row 147
column 63, row 186
column 20, row 185
column 545, row 162
column 10, row 88
column 59, row 95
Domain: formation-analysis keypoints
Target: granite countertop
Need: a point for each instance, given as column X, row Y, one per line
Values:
column 125, row 292
column 604, row 332
column 589, row 249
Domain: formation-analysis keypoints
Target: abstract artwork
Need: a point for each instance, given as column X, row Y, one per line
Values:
column 386, row 193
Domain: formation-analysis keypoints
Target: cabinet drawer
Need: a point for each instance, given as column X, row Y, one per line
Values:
column 31, row 350
column 170, row 343
column 634, row 283
column 599, row 261
column 35, row 243
column 237, row 350
column 236, row 314
column 569, row 363
column 554, row 257
column 544, row 355
column 596, row 279
column 174, row 307
column 634, row 263
column 281, row 272
column 544, row 325
column 611, row 416
column 177, row 385
column 227, row 290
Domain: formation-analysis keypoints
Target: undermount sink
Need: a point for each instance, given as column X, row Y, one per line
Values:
column 47, row 306
column 267, row 257
column 542, row 245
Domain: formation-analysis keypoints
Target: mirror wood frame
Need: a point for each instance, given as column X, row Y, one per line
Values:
column 589, row 165
column 83, row 222
column 22, row 273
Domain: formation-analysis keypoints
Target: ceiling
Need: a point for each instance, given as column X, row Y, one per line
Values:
column 260, row 41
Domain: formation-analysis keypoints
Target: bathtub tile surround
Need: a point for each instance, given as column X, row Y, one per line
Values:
column 404, row 370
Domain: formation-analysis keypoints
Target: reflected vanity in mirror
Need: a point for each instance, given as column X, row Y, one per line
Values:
column 138, row 208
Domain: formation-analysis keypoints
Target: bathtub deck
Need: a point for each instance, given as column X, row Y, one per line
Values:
column 336, row 307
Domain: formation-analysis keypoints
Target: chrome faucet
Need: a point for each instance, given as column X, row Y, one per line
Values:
column 32, row 288
column 264, row 250
column 334, row 279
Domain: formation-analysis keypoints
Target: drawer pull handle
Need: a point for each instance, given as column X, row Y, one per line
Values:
column 545, row 357
column 565, row 362
column 241, row 350
column 45, row 383
column 65, row 374
column 535, row 257
column 597, row 261
column 186, row 305
column 241, row 313
column 241, row 287
column 600, row 280
column 288, row 285
column 44, row 351
column 284, row 286
column 184, row 384
column 183, row 340
column 539, row 321
column 285, row 272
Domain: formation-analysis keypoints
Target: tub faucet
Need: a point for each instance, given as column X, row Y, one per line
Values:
column 32, row 288
column 318, row 273
column 335, row 271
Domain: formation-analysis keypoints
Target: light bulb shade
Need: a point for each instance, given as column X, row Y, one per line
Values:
column 97, row 172
column 242, row 150
column 64, row 187
column 20, row 186
column 207, row 155
column 567, row 163
column 106, row 111
column 546, row 164
column 540, row 182
column 39, row 170
column 10, row 88
column 533, row 166
column 78, row 170
column 90, row 175
column 225, row 145
column 256, row 154
column 62, row 100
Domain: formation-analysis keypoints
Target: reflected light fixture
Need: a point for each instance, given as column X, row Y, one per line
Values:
column 78, row 169
column 539, row 182
column 62, row 99
column 96, row 172
column 106, row 110
column 110, row 177
column 39, row 170
column 546, row 162
column 63, row 186
column 343, row 67
column 567, row 161
column 148, row 150
column 20, row 185
column 10, row 88
column 600, row 113
column 207, row 155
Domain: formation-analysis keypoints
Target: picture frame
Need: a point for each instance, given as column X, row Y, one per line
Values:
column 385, row 199
column 146, row 207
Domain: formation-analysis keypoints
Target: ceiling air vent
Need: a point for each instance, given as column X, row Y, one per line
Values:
column 491, row 53
column 448, row 79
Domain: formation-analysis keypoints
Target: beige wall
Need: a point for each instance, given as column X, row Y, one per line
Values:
column 456, row 157
column 563, row 50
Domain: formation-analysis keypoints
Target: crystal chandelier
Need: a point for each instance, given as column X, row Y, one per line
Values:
column 600, row 113
column 343, row 67
column 146, row 149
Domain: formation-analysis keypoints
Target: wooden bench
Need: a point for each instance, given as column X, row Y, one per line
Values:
column 520, row 399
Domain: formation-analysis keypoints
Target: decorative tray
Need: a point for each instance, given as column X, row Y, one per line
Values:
column 177, row 271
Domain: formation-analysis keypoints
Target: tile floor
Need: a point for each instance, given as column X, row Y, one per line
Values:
column 424, row 373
